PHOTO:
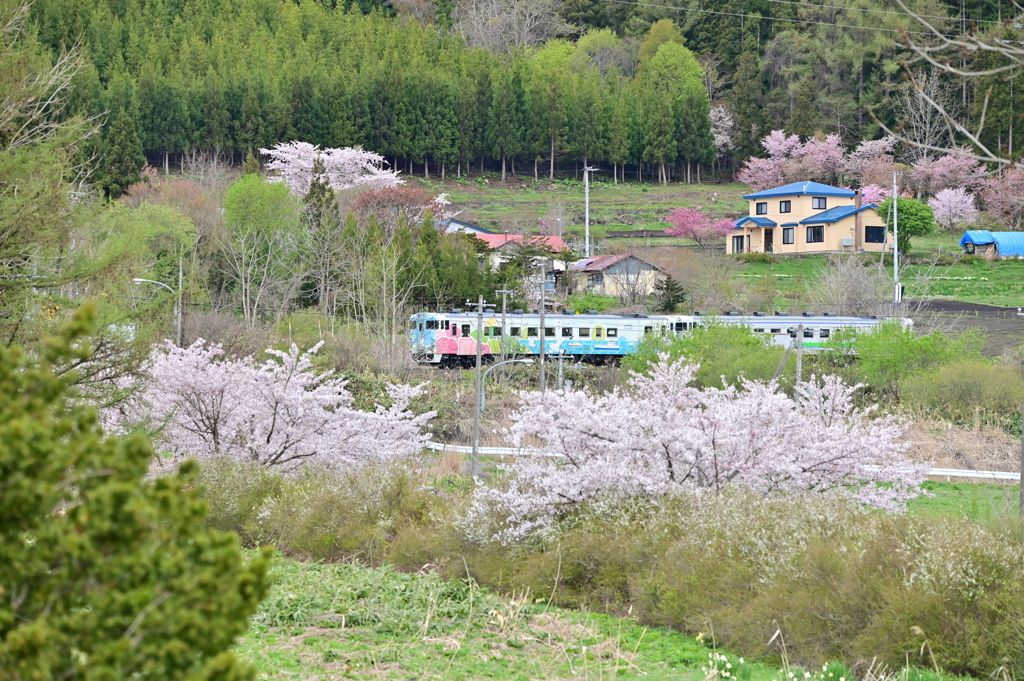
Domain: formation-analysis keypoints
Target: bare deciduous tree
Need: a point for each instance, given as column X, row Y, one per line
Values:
column 920, row 121
column 509, row 25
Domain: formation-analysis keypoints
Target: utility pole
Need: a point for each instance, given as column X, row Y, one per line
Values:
column 475, row 465
column 504, row 329
column 177, row 307
column 799, row 354
column 561, row 383
column 897, row 297
column 586, row 211
column 543, row 307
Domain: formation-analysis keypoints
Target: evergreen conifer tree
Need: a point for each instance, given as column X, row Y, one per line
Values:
column 123, row 161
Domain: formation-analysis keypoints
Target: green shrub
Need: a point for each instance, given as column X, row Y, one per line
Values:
column 723, row 352
column 583, row 302
column 761, row 258
column 973, row 391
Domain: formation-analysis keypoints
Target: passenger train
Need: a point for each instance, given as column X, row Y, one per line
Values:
column 449, row 339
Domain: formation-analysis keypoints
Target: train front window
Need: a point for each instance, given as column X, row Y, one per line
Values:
column 432, row 325
column 613, row 333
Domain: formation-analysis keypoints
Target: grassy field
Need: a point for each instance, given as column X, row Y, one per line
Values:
column 341, row 621
column 973, row 500
column 519, row 205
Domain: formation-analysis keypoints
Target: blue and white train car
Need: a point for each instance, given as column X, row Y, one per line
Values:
column 450, row 338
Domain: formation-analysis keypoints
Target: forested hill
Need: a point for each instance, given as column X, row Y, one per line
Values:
column 500, row 81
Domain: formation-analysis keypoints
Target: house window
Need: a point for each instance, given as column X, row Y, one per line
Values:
column 595, row 279
column 819, row 202
column 762, row 208
column 549, row 331
column 613, row 333
column 566, row 332
column 584, row 333
column 737, row 244
column 785, row 207
column 815, row 234
column 787, row 235
column 531, row 331
column 874, row 235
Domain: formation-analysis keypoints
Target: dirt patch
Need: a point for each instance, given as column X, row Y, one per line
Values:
column 982, row 449
column 1002, row 326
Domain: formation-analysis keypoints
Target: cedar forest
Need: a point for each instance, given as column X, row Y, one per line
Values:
column 530, row 87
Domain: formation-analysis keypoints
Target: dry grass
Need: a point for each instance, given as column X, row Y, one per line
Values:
column 982, row 448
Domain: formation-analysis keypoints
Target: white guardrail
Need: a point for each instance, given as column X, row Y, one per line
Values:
column 513, row 451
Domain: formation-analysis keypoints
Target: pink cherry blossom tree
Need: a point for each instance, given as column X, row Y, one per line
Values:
column 661, row 435
column 821, row 159
column 762, row 173
column 345, row 168
column 873, row 193
column 872, row 162
column 951, row 171
column 277, row 413
column 696, row 226
column 1003, row 197
column 954, row 209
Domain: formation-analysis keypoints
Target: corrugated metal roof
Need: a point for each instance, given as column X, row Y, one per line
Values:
column 599, row 263
column 799, row 188
column 835, row 214
column 555, row 243
column 760, row 222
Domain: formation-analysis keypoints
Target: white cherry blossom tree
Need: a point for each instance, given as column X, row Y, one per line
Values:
column 344, row 168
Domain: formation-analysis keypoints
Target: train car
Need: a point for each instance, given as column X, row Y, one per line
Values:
column 816, row 332
column 449, row 339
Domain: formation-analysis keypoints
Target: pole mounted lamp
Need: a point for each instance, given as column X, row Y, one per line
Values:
column 177, row 302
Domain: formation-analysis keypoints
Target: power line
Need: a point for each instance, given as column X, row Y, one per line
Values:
column 881, row 11
column 806, row 22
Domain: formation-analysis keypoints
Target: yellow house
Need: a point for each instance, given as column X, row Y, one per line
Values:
column 808, row 217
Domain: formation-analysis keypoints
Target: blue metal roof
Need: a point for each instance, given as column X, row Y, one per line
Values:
column 1008, row 244
column 789, row 224
column 798, row 188
column 835, row 214
column 760, row 222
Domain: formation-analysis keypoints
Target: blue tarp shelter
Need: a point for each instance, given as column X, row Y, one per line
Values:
column 1004, row 244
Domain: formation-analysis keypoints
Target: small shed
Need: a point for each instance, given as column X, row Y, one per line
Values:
column 993, row 244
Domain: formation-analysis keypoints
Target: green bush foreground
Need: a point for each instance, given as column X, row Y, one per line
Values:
column 839, row 582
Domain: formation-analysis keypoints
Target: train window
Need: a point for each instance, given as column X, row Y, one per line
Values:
column 515, row 332
column 598, row 332
column 412, row 324
column 531, row 331
column 566, row 332
column 823, row 333
column 496, row 332
column 808, row 333
column 549, row 331
column 613, row 333
column 465, row 329
column 432, row 324
column 648, row 329
column 758, row 330
column 776, row 330
column 584, row 333
column 679, row 326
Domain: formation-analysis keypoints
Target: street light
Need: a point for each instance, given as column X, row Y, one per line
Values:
column 177, row 302
column 483, row 381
